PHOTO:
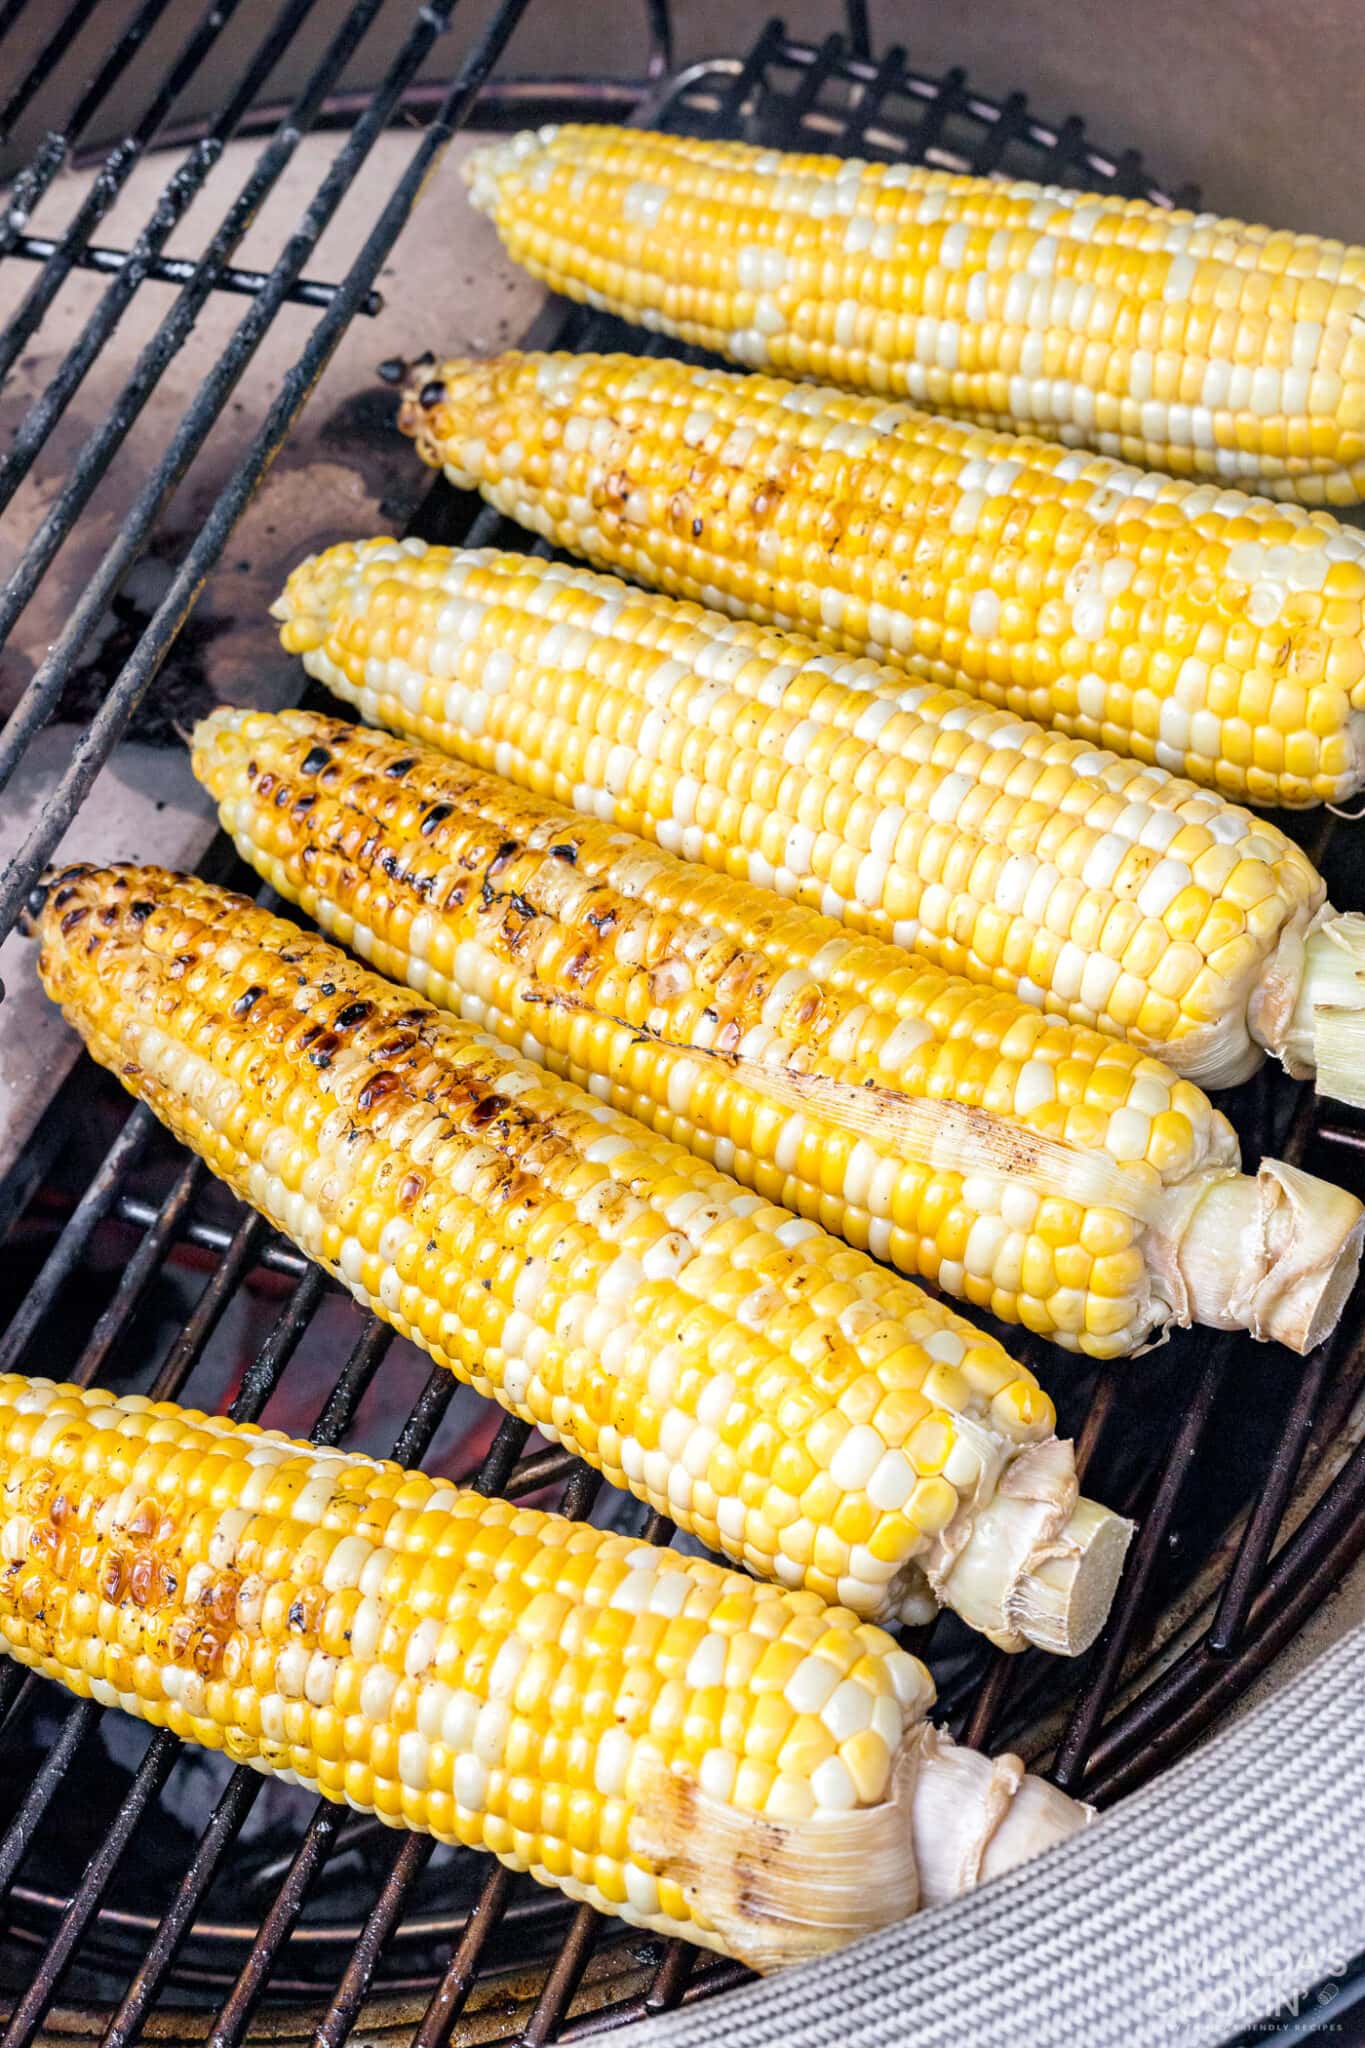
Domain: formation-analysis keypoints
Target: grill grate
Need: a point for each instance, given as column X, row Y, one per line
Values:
column 1212, row 1446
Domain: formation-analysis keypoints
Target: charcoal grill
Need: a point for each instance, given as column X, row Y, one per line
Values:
column 142, row 1888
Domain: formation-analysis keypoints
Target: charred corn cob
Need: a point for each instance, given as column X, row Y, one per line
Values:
column 1049, row 1174
column 1187, row 343
column 1103, row 892
column 798, row 1407
column 699, row 1754
column 1195, row 629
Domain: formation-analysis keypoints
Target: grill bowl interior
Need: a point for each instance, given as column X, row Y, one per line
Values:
column 139, row 1877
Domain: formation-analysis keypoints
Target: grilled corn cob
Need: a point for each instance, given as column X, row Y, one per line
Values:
column 798, row 1407
column 1051, row 1175
column 1181, row 341
column 1109, row 894
column 1195, row 629
column 701, row 1755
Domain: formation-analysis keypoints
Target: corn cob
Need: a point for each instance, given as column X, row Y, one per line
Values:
column 696, row 1753
column 1197, row 630
column 1109, row 894
column 796, row 1406
column 1051, row 1175
column 1180, row 341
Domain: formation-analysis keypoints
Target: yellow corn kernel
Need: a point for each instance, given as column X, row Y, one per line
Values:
column 1025, row 820
column 1220, row 351
column 1110, row 590
column 462, row 1149
column 619, row 1806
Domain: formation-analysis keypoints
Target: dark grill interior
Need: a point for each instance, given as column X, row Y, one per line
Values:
column 136, row 1876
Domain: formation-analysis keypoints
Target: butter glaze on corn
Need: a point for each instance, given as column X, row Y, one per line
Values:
column 1185, row 342
column 1101, row 891
column 680, row 997
column 1214, row 635
column 670, row 1741
column 798, row 1407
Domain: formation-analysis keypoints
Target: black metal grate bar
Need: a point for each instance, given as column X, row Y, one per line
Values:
column 203, row 1320
column 101, row 446
column 859, row 28
column 1173, row 1711
column 438, row 2022
column 815, row 77
column 869, row 97
column 1111, row 1650
column 659, row 16
column 671, row 1978
column 10, row 13
column 113, row 175
column 18, row 1836
column 234, row 2015
column 563, row 1978
column 65, row 1258
column 45, row 63
column 138, row 1275
column 138, row 672
column 1253, row 1552
column 950, row 97
column 276, row 1255
column 309, row 291
column 411, row 1859
column 732, row 96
